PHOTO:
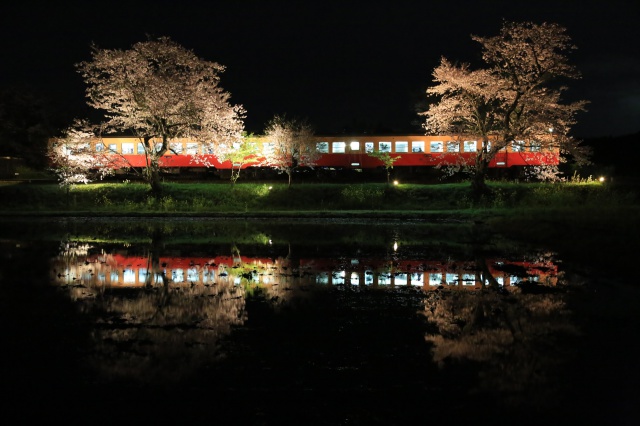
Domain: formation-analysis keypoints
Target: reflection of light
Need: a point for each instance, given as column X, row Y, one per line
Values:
column 601, row 179
column 395, row 246
column 395, row 182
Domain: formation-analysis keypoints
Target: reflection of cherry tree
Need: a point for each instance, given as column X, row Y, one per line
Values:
column 163, row 334
column 514, row 337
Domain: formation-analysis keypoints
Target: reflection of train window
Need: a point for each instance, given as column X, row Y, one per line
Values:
column 435, row 279
column 368, row 277
column 368, row 147
column 142, row 275
column 129, row 276
column 114, row 277
column 322, row 278
column 355, row 278
column 177, row 275
column 468, row 279
column 416, row 279
column 102, row 277
column 402, row 146
column 338, row 147
column 384, row 279
column 401, row 279
column 436, row 146
column 453, row 146
column 193, row 275
column 417, row 146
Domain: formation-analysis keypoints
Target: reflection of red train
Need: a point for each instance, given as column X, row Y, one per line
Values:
column 337, row 152
column 116, row 270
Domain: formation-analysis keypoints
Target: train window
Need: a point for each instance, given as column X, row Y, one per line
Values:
column 368, row 147
column 417, row 146
column 338, row 147
column 453, row 146
column 322, row 147
column 488, row 146
column 384, row 146
column 402, row 146
column 268, row 147
column 192, row 148
column 140, row 148
column 354, row 146
column 451, row 279
column 468, row 279
column 113, row 147
column 535, row 146
column 127, row 148
column 437, row 146
column 517, row 146
column 470, row 146
column 176, row 147
column 99, row 147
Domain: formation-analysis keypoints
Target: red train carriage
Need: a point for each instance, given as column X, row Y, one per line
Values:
column 338, row 152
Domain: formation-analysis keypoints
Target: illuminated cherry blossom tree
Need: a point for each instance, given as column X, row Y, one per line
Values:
column 515, row 97
column 73, row 159
column 160, row 91
column 290, row 145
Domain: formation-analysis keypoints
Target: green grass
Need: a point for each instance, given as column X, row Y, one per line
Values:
column 203, row 198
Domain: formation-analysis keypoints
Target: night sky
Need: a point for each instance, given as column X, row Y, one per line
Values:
column 344, row 66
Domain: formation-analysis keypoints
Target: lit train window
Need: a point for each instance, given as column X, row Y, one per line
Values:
column 354, row 146
column 470, row 146
column 468, row 279
column 535, row 146
column 453, row 146
column 127, row 148
column 99, row 147
column 322, row 147
column 402, row 146
column 192, row 148
column 140, row 148
column 417, row 146
column 338, row 147
column 517, row 146
column 437, row 146
column 384, row 146
column 368, row 147
column 158, row 146
column 113, row 147
column 176, row 147
column 451, row 279
column 488, row 146
column 268, row 147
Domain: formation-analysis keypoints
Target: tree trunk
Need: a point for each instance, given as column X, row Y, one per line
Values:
column 153, row 177
column 479, row 186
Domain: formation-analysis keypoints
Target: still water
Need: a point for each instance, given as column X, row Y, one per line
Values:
column 314, row 322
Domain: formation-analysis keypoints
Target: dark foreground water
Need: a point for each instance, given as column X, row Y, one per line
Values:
column 303, row 322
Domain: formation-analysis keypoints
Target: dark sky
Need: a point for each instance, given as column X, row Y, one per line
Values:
column 345, row 66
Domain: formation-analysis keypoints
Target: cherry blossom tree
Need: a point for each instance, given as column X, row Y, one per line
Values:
column 160, row 91
column 515, row 97
column 73, row 159
column 290, row 145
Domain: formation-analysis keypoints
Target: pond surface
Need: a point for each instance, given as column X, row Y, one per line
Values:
column 309, row 322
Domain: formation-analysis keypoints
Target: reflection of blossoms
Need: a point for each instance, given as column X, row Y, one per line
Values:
column 161, row 335
column 515, row 337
